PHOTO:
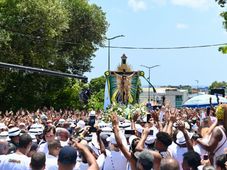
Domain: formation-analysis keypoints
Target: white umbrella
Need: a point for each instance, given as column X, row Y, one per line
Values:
column 204, row 101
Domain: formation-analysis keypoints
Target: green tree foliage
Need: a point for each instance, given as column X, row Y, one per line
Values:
column 221, row 2
column 97, row 87
column 216, row 85
column 224, row 16
column 59, row 35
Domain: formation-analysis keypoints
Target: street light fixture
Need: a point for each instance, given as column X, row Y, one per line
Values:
column 149, row 78
column 109, row 39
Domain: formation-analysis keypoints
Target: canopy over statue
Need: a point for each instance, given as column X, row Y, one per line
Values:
column 123, row 84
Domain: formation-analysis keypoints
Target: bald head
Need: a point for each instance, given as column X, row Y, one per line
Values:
column 169, row 164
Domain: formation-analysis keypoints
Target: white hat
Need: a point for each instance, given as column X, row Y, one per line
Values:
column 43, row 116
column 37, row 126
column 151, row 138
column 15, row 131
column 81, row 124
column 33, row 137
column 35, row 131
column 2, row 126
column 107, row 129
column 102, row 125
column 112, row 139
column 4, row 136
column 180, row 138
column 131, row 138
column 124, row 125
column 61, row 121
column 72, row 125
column 92, row 113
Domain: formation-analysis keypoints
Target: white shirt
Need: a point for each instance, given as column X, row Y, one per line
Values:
column 84, row 166
column 15, row 161
column 51, row 162
column 115, row 161
column 43, row 148
column 177, row 152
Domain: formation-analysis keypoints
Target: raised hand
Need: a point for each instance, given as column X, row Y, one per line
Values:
column 114, row 119
column 181, row 125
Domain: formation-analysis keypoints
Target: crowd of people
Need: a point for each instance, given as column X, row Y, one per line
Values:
column 165, row 138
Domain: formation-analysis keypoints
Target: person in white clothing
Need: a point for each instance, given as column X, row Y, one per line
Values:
column 48, row 136
column 218, row 138
column 18, row 160
column 115, row 159
column 38, row 161
column 52, row 157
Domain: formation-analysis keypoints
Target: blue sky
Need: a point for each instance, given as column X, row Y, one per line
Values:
column 165, row 23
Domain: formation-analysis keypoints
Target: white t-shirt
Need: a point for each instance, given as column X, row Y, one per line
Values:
column 84, row 166
column 15, row 161
column 197, row 148
column 43, row 148
column 115, row 161
column 51, row 162
column 177, row 152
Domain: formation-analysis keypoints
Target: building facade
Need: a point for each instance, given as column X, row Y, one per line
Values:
column 174, row 96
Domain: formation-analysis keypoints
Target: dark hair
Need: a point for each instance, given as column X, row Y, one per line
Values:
column 53, row 144
column 47, row 129
column 24, row 140
column 220, row 161
column 165, row 138
column 193, row 159
column 134, row 144
column 38, row 161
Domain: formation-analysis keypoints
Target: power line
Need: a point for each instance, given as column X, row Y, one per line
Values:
column 122, row 47
column 166, row 48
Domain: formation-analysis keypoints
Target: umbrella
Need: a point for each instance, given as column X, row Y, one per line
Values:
column 201, row 101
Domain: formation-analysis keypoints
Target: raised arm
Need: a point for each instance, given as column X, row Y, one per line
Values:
column 181, row 127
column 102, row 147
column 89, row 157
column 116, row 130
column 140, row 145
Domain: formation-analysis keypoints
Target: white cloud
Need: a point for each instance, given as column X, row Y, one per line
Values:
column 137, row 5
column 199, row 4
column 159, row 2
column 181, row 26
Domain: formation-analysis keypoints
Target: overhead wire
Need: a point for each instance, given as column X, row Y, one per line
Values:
column 124, row 47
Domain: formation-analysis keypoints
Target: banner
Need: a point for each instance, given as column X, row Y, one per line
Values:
column 107, row 96
column 123, row 86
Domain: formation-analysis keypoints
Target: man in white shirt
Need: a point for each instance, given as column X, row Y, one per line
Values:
column 114, row 158
column 18, row 160
column 38, row 161
column 52, row 157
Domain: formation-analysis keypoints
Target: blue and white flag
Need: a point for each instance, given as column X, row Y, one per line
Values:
column 107, row 96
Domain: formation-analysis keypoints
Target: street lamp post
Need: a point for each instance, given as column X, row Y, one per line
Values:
column 109, row 39
column 197, row 81
column 149, row 78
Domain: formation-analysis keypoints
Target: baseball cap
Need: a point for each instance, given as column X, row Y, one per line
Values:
column 145, row 158
column 67, row 155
